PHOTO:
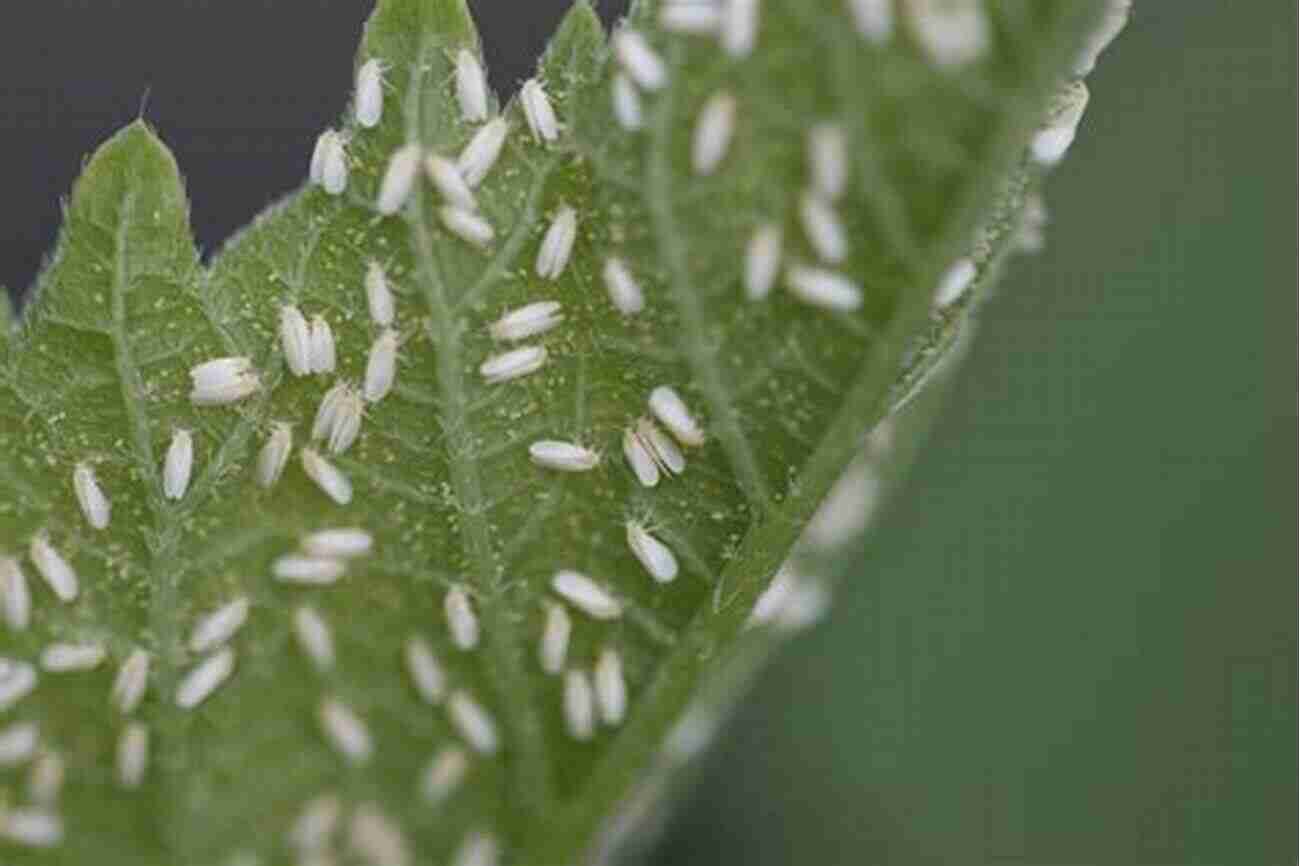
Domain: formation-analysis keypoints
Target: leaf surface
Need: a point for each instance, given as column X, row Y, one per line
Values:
column 98, row 374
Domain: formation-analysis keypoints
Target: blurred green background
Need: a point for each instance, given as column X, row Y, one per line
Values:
column 1071, row 640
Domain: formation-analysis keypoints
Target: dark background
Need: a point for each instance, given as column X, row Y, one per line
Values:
column 1071, row 641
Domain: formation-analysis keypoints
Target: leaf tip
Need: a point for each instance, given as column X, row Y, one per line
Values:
column 573, row 55
column 131, row 144
column 450, row 19
column 580, row 25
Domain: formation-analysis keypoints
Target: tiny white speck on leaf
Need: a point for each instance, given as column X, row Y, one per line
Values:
column 670, row 409
column 444, row 774
column 627, row 103
column 321, row 346
column 557, row 244
column 132, row 755
column 222, row 381
column 449, row 182
column 611, row 688
column 340, row 543
column 178, row 464
column 586, row 595
column 131, row 682
column 529, row 320
column 791, row 602
column 467, row 225
column 473, row 723
column 641, row 63
column 579, row 705
column 381, row 367
column 762, row 261
column 829, row 290
column 329, row 162
column 662, row 448
column 739, row 33
column 53, row 568
column 1034, row 219
column 624, row 291
column 655, row 556
column 205, row 678
column 640, row 458
column 31, row 827
column 714, row 129
column 954, row 282
column 828, row 159
column 846, row 510
column 327, row 477
column 471, row 87
column 338, row 419
column 327, row 414
column 376, row 839
column 215, row 628
column 369, row 107
column 345, row 730
column 424, row 669
column 69, row 657
column 274, row 455
column 314, row 827
column 15, row 595
column 874, row 19
column 316, row 169
column 538, row 111
column 295, row 340
column 823, row 228
column 18, row 743
column 1114, row 17
column 478, row 849
column 399, row 179
column 314, row 637
column 461, row 619
column 554, row 645
column 563, row 456
column 307, row 570
column 693, row 17
column 513, row 364
column 45, row 780
column 1051, row 142
column 379, row 296
column 478, row 157
column 17, row 680
column 950, row 32
column 690, row 735
column 90, row 496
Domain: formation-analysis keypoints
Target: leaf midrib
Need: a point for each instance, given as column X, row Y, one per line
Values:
column 513, row 688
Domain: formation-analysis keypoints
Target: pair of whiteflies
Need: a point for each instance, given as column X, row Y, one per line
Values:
column 471, row 90
column 54, row 569
column 475, row 725
column 602, row 695
column 308, row 347
column 645, row 445
column 322, row 556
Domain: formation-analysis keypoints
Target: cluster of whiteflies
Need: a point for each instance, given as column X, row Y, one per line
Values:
column 309, row 349
column 735, row 24
column 950, row 33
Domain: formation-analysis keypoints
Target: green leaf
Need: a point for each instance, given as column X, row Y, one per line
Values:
column 97, row 375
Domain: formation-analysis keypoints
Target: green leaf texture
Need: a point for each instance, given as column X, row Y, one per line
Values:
column 97, row 373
